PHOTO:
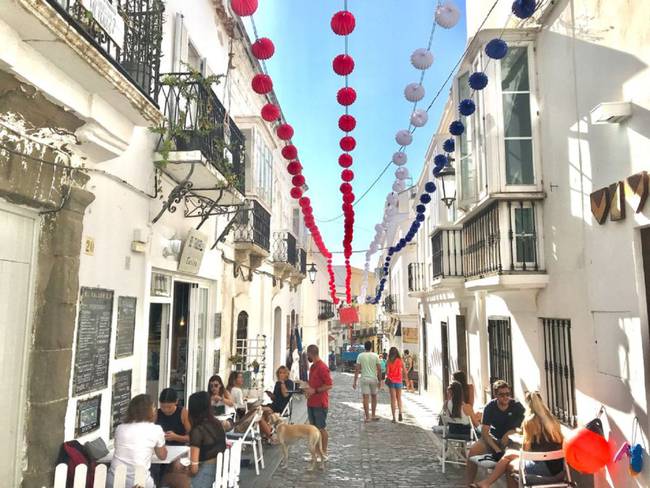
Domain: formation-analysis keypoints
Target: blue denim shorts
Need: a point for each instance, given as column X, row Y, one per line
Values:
column 397, row 386
column 317, row 417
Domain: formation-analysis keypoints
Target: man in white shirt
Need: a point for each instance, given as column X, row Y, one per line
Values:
column 369, row 366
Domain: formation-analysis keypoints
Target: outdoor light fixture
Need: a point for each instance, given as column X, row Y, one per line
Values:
column 447, row 177
column 311, row 271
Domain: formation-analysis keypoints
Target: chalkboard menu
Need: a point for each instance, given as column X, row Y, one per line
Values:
column 125, row 326
column 88, row 415
column 120, row 398
column 93, row 340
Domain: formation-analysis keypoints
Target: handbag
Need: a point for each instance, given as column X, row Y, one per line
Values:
column 96, row 449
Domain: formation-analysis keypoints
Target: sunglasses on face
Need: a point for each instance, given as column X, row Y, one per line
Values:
column 212, row 385
column 503, row 394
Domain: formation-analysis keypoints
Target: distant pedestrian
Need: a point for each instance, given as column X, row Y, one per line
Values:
column 320, row 383
column 408, row 364
column 383, row 359
column 369, row 365
column 395, row 374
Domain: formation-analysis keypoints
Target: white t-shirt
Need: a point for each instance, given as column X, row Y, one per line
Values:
column 134, row 446
column 237, row 396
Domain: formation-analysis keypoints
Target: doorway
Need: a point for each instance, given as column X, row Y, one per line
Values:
column 461, row 343
column 277, row 338
column 425, row 355
column 179, row 340
column 500, row 350
column 444, row 339
column 157, row 348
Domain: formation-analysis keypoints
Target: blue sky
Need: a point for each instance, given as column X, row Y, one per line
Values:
column 387, row 32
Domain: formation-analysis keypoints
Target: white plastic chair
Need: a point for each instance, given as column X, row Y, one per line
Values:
column 562, row 480
column 460, row 440
column 287, row 412
column 252, row 437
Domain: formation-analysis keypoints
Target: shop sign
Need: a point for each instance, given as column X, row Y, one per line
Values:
column 193, row 252
column 108, row 18
column 410, row 334
column 610, row 201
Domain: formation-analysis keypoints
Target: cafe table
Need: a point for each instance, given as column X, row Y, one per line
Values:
column 173, row 453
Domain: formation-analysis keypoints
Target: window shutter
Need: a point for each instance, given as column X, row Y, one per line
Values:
column 181, row 45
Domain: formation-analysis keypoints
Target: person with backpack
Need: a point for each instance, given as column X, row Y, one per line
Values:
column 137, row 440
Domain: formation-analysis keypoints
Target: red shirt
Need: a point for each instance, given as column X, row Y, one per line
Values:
column 319, row 375
column 394, row 371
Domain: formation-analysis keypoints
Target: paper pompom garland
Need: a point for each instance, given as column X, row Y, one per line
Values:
column 270, row 112
column 524, row 8
column 346, row 96
column 414, row 92
column 343, row 23
column 467, row 107
column 477, row 80
column 422, row 59
column 263, row 48
column 243, row 8
column 404, row 138
column 496, row 49
column 343, row 64
column 262, row 84
column 284, row 132
column 419, row 118
column 347, row 123
column 447, row 15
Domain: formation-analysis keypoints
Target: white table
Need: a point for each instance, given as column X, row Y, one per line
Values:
column 173, row 453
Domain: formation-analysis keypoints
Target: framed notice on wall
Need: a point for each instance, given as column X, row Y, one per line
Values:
column 120, row 398
column 92, row 349
column 409, row 334
column 88, row 415
column 126, row 307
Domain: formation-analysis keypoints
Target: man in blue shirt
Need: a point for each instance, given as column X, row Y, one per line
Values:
column 501, row 417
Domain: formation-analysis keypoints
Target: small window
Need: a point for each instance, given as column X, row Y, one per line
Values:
column 558, row 366
column 468, row 177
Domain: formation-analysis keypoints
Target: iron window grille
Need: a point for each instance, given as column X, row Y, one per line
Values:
column 302, row 260
column 558, row 366
column 325, row 310
column 500, row 350
column 139, row 58
column 481, row 243
column 523, row 236
column 201, row 123
column 447, row 253
column 253, row 225
column 284, row 248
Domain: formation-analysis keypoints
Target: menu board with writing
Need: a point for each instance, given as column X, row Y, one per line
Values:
column 93, row 340
column 120, row 398
column 126, row 307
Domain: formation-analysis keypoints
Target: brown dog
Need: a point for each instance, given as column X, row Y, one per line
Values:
column 287, row 433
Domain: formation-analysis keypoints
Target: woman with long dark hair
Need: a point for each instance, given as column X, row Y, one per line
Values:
column 468, row 389
column 457, row 408
column 235, row 385
column 207, row 440
column 395, row 374
column 219, row 395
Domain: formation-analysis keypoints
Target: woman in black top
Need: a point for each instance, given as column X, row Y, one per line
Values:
column 173, row 419
column 207, row 439
column 282, row 390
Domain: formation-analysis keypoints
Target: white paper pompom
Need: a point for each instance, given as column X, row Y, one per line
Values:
column 400, row 158
column 379, row 228
column 422, row 59
column 401, row 173
column 419, row 118
column 403, row 137
column 447, row 15
column 373, row 248
column 414, row 92
column 392, row 198
column 398, row 186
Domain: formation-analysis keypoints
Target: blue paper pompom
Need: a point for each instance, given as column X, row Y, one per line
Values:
column 430, row 187
column 425, row 198
column 388, row 258
column 449, row 145
column 467, row 107
column 440, row 160
column 496, row 49
column 524, row 8
column 420, row 217
column 436, row 171
column 402, row 242
column 391, row 251
column 420, row 208
column 478, row 80
column 456, row 128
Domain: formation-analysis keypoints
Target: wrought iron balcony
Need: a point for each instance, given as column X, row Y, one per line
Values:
column 197, row 121
column 284, row 248
column 325, row 310
column 447, row 253
column 416, row 277
column 391, row 304
column 501, row 239
column 127, row 32
column 253, row 226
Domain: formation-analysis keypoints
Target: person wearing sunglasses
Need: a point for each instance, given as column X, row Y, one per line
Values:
column 502, row 416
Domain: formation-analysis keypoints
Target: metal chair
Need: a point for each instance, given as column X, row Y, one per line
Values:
column 561, row 480
column 458, row 432
column 288, row 410
column 252, row 437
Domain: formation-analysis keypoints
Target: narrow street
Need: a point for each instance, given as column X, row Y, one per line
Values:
column 377, row 454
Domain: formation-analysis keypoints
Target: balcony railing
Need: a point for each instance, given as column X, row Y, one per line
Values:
column 253, row 225
column 137, row 52
column 447, row 253
column 391, row 304
column 198, row 121
column 481, row 243
column 416, row 277
column 325, row 310
column 284, row 248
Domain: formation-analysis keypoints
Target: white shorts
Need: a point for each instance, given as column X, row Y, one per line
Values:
column 369, row 386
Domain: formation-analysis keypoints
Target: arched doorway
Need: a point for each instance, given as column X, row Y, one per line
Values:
column 277, row 338
column 242, row 335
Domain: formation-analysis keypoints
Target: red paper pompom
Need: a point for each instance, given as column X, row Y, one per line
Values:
column 345, row 160
column 348, row 143
column 284, row 132
column 343, row 64
column 243, row 8
column 348, row 197
column 345, row 188
column 347, row 175
column 307, row 211
column 347, row 123
column 298, row 180
column 262, row 84
column 304, row 202
column 586, row 451
column 263, row 48
column 289, row 152
column 343, row 23
column 309, row 220
column 346, row 96
column 296, row 192
column 270, row 112
column 294, row 168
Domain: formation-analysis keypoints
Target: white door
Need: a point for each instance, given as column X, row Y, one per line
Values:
column 17, row 234
column 197, row 380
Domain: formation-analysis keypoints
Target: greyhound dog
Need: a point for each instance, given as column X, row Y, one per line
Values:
column 287, row 433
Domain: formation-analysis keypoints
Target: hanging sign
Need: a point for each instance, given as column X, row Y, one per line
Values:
column 108, row 18
column 193, row 251
column 348, row 315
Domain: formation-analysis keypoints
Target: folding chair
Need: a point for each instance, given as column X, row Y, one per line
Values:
column 561, row 480
column 288, row 410
column 252, row 437
column 463, row 435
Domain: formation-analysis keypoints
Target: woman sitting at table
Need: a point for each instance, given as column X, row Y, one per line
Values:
column 468, row 388
column 137, row 440
column 175, row 422
column 458, row 409
column 282, row 391
column 207, row 440
column 219, row 396
column 541, row 433
column 235, row 385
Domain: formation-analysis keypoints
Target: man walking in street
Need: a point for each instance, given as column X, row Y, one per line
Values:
column 369, row 365
column 320, row 383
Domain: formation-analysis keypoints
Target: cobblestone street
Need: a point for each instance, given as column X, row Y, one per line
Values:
column 377, row 454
